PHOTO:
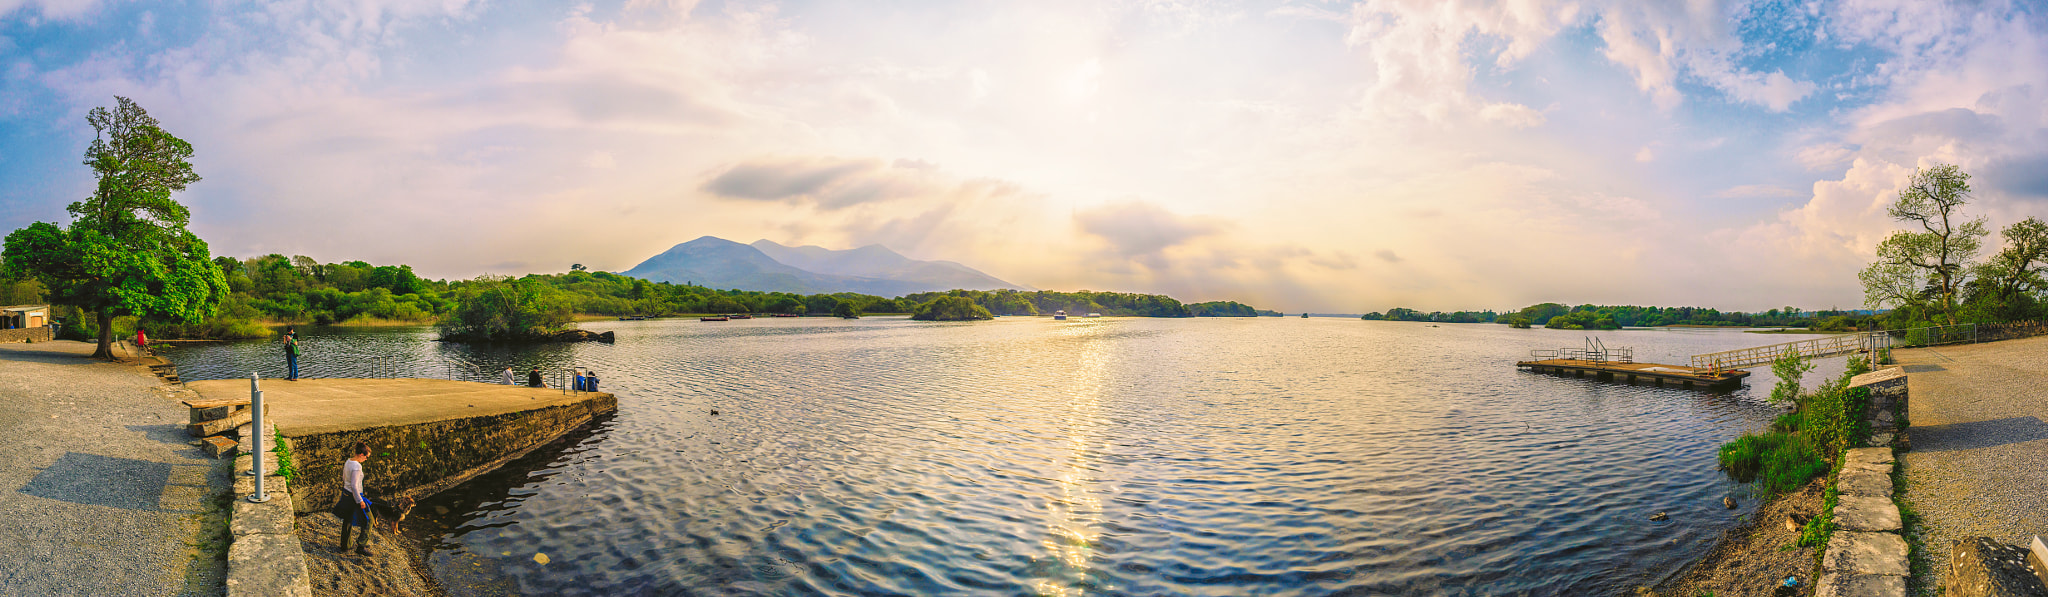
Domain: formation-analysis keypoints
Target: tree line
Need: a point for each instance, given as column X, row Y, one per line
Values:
column 127, row 260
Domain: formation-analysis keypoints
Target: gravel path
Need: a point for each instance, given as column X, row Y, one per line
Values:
column 102, row 494
column 1979, row 464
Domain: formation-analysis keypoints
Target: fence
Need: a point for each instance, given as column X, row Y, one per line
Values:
column 1595, row 351
column 1811, row 348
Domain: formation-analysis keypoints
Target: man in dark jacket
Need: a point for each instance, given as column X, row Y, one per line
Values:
column 533, row 379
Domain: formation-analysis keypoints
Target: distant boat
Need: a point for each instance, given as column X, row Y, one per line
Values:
column 849, row 317
column 742, row 316
column 1094, row 314
column 785, row 315
column 632, row 317
column 718, row 318
column 1059, row 315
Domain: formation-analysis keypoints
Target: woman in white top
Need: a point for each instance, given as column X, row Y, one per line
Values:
column 354, row 506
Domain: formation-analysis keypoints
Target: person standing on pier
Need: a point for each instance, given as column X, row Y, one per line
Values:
column 291, row 352
column 508, row 376
column 354, row 506
column 141, row 341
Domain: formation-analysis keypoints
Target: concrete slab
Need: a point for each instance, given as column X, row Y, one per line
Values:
column 244, row 462
column 274, row 517
column 1861, row 585
column 314, row 406
column 1863, row 482
column 1882, row 469
column 268, row 566
column 1866, row 513
column 202, row 415
column 1868, row 455
column 218, row 426
column 1851, row 552
column 217, row 446
column 1881, row 375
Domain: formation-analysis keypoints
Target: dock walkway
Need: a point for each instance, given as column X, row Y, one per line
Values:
column 1679, row 375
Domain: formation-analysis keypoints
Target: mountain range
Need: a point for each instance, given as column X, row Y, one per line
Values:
column 772, row 267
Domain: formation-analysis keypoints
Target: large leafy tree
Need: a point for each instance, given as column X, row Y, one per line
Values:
column 1925, row 268
column 126, row 251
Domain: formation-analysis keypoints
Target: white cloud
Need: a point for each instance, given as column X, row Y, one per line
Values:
column 1644, row 155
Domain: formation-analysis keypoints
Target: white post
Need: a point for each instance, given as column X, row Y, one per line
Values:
column 256, row 438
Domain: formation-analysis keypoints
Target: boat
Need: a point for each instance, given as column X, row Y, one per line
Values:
column 849, row 317
column 741, row 316
column 718, row 318
column 1059, row 315
column 785, row 315
column 1094, row 314
column 632, row 317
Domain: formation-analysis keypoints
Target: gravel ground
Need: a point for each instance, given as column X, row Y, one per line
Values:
column 104, row 496
column 1979, row 464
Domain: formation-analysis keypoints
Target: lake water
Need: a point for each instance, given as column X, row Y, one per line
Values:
column 1116, row 456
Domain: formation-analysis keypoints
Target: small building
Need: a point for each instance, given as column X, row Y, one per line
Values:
column 24, row 316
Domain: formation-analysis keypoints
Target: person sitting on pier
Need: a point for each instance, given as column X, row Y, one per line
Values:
column 590, row 381
column 579, row 380
column 354, row 506
column 533, row 379
column 508, row 376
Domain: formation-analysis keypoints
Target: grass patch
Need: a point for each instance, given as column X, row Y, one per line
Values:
column 1920, row 565
column 1776, row 462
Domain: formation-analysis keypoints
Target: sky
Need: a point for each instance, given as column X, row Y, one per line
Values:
column 1294, row 155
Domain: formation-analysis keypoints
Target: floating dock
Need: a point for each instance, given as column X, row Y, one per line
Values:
column 1677, row 375
column 1619, row 364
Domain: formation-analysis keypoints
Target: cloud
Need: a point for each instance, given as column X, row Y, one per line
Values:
column 1644, row 155
column 1752, row 191
column 58, row 10
column 1387, row 256
column 1136, row 229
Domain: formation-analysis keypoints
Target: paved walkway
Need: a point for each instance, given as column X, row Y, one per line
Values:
column 1979, row 464
column 102, row 496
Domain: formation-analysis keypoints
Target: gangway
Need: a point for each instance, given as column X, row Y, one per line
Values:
column 1836, row 345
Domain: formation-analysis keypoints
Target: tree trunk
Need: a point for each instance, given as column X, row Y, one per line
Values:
column 106, row 349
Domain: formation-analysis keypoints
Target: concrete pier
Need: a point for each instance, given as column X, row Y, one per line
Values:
column 1674, row 375
column 425, row 435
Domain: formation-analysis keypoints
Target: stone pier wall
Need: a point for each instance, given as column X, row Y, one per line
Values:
column 424, row 458
column 37, row 334
column 1887, row 411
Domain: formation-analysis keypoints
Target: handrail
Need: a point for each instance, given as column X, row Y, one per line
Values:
column 1810, row 348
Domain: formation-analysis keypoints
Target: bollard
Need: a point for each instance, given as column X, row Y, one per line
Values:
column 256, row 438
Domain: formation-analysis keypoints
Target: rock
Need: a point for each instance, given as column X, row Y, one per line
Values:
column 580, row 336
column 1861, row 585
column 1852, row 552
column 1658, row 516
column 1728, row 501
column 1793, row 524
column 1981, row 567
column 218, row 446
column 1866, row 513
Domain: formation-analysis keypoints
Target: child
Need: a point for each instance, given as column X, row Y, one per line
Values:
column 354, row 506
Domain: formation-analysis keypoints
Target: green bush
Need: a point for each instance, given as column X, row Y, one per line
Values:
column 496, row 309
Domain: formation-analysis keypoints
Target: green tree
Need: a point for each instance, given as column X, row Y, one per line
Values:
column 497, row 309
column 846, row 309
column 950, row 308
column 127, row 251
column 2005, row 284
column 1926, row 268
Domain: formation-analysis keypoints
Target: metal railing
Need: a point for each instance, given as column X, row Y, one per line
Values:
column 1595, row 351
column 1811, row 348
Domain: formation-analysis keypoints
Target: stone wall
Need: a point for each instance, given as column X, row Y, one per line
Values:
column 1887, row 411
column 36, row 334
column 423, row 459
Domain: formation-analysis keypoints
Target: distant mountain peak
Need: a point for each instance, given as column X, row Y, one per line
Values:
column 769, row 266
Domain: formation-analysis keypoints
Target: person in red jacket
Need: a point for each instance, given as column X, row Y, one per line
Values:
column 141, row 341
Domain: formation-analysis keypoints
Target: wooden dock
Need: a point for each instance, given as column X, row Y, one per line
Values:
column 1621, row 371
